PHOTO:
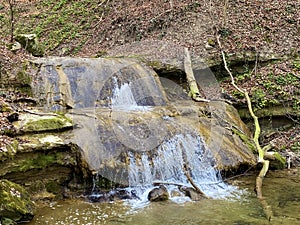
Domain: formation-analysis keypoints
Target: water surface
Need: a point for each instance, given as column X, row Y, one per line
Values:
column 281, row 190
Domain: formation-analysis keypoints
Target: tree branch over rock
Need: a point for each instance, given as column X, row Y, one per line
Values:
column 261, row 153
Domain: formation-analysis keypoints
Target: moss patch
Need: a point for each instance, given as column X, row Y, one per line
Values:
column 15, row 202
column 33, row 123
column 248, row 141
column 280, row 161
column 41, row 161
column 44, row 124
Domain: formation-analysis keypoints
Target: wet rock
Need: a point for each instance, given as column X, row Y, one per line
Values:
column 192, row 193
column 113, row 195
column 43, row 163
column 158, row 194
column 15, row 204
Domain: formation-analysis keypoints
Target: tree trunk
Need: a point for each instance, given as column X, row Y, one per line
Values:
column 194, row 91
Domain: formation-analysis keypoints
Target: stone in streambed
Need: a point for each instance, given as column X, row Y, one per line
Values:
column 158, row 194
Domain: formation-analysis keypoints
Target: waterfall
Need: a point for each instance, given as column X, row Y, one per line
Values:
column 166, row 166
column 165, row 163
column 123, row 96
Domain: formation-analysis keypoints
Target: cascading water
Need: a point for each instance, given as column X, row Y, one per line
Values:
column 123, row 96
column 166, row 167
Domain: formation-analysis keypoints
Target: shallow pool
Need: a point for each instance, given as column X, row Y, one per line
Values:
column 281, row 190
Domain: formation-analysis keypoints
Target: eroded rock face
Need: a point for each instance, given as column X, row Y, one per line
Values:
column 119, row 106
column 44, row 164
column 15, row 203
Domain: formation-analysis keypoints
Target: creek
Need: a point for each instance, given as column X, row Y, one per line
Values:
column 281, row 189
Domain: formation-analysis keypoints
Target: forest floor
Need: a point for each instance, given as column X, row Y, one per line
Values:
column 109, row 27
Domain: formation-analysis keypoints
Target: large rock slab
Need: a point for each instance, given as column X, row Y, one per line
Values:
column 121, row 114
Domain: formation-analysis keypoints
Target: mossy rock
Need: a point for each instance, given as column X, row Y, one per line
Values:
column 30, row 43
column 9, row 151
column 15, row 203
column 29, row 123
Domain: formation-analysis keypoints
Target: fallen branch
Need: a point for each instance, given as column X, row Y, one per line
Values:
column 186, row 172
column 156, row 183
column 261, row 153
column 194, row 91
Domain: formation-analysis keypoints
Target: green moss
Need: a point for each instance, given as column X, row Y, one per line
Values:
column 47, row 124
column 11, row 150
column 23, row 78
column 30, row 43
column 296, row 64
column 15, row 201
column 4, row 107
column 295, row 146
column 280, row 161
column 248, row 141
column 40, row 162
column 44, row 124
column 53, row 187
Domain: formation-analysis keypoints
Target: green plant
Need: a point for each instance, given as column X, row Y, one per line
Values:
column 243, row 76
column 295, row 146
column 238, row 94
column 288, row 78
column 296, row 103
column 259, row 99
column 225, row 32
column 296, row 64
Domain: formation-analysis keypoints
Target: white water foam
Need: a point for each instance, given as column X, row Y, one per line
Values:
column 166, row 166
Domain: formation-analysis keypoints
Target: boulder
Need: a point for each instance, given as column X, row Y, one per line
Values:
column 15, row 203
column 192, row 193
column 119, row 106
column 158, row 194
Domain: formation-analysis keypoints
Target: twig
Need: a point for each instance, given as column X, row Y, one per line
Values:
column 171, row 4
column 101, row 17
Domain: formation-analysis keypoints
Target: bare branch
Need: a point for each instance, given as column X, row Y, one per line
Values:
column 261, row 153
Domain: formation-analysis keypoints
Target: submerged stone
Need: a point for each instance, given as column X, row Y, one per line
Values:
column 192, row 193
column 158, row 194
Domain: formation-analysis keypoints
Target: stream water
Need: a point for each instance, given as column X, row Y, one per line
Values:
column 281, row 190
